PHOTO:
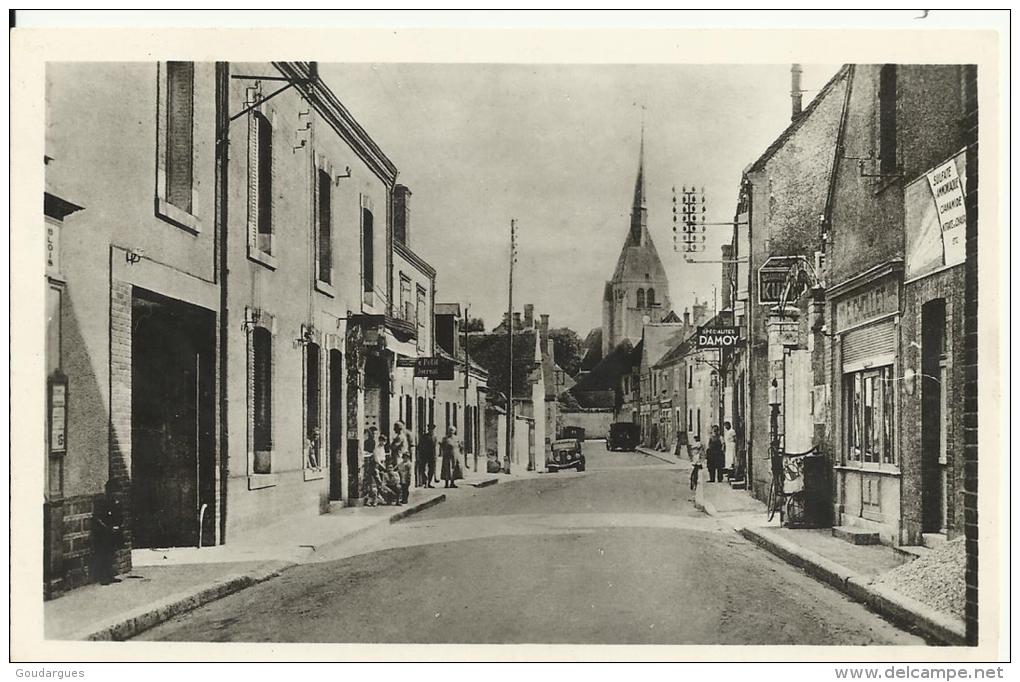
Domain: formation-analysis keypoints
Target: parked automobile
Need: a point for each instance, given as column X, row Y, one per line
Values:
column 576, row 432
column 566, row 453
column 623, row 436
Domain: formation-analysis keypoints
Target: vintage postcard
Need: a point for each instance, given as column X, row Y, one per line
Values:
column 486, row 344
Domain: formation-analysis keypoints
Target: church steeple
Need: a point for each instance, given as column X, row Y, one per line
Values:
column 639, row 211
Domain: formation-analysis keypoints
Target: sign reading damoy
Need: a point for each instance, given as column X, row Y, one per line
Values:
column 718, row 337
column 437, row 368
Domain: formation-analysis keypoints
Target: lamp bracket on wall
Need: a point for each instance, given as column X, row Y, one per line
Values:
column 345, row 174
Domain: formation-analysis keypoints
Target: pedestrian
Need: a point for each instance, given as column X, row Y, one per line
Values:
column 108, row 527
column 399, row 445
column 448, row 449
column 370, row 439
column 730, row 449
column 427, row 456
column 404, row 470
column 715, row 456
column 696, row 453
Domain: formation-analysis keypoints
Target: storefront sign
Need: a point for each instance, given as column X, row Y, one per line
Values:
column 404, row 361
column 440, row 369
column 935, row 218
column 772, row 276
column 718, row 337
column 875, row 301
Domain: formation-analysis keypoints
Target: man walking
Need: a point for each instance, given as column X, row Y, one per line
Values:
column 427, row 456
column 448, row 448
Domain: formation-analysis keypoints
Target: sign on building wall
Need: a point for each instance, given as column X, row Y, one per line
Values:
column 935, row 218
column 772, row 277
column 875, row 301
column 440, row 369
column 718, row 337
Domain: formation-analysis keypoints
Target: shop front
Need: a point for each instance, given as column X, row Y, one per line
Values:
column 866, row 372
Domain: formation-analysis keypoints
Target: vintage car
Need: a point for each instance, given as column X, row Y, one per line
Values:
column 623, row 436
column 566, row 454
column 573, row 432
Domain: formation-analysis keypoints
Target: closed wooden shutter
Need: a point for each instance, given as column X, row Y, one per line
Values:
column 180, row 143
column 865, row 342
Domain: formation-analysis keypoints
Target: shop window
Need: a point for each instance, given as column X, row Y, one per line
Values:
column 324, row 206
column 868, row 399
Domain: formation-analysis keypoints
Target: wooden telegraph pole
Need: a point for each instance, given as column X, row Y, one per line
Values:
column 510, row 346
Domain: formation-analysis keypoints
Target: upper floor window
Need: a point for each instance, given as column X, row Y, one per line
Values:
column 324, row 208
column 260, row 185
column 407, row 309
column 887, row 119
column 650, row 297
column 421, row 316
column 180, row 133
column 640, row 298
column 367, row 250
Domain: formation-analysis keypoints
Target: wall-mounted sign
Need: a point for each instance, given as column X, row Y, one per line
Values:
column 935, row 218
column 772, row 277
column 874, row 301
column 58, row 416
column 718, row 337
column 440, row 369
column 404, row 361
column 52, row 248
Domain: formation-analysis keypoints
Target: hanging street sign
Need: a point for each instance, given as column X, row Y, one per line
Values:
column 438, row 368
column 718, row 337
column 772, row 277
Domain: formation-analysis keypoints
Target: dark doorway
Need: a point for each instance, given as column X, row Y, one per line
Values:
column 934, row 446
column 336, row 410
column 173, row 460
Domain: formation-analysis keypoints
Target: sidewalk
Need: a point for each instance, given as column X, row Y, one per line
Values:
column 165, row 583
column 664, row 456
column 859, row 571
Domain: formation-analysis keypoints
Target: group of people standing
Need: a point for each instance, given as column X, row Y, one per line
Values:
column 720, row 455
column 386, row 470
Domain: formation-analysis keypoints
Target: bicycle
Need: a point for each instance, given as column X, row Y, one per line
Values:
column 789, row 505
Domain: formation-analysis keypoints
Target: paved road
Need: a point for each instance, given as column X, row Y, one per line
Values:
column 615, row 555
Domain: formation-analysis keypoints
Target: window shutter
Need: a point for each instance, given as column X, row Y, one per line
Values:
column 253, row 176
column 180, row 133
column 860, row 344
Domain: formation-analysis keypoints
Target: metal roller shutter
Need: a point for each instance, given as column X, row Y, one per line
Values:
column 875, row 339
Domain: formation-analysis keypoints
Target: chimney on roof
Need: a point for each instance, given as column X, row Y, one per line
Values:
column 687, row 317
column 529, row 315
column 517, row 322
column 544, row 332
column 795, row 92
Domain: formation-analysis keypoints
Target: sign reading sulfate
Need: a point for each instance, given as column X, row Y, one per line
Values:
column 718, row 337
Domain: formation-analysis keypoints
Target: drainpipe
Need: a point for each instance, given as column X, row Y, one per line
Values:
column 221, row 230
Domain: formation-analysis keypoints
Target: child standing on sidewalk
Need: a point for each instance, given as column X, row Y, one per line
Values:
column 696, row 453
column 404, row 470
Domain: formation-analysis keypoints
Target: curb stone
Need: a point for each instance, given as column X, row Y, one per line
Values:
column 899, row 608
column 132, row 624
column 657, row 455
column 147, row 617
column 485, row 483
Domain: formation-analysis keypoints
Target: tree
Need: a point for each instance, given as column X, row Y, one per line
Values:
column 568, row 349
column 475, row 324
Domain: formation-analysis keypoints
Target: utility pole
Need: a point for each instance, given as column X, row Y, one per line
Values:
column 468, row 431
column 510, row 345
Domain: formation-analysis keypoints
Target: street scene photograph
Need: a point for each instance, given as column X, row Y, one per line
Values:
column 397, row 352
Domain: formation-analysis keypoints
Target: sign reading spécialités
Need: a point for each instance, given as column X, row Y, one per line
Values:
column 718, row 337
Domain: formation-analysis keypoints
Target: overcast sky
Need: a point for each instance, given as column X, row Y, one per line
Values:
column 556, row 147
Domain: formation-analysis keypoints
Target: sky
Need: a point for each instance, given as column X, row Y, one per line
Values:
column 556, row 147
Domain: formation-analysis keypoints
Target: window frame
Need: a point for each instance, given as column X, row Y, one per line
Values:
column 313, row 468
column 186, row 218
column 324, row 244
column 869, row 437
column 261, row 243
column 260, row 322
